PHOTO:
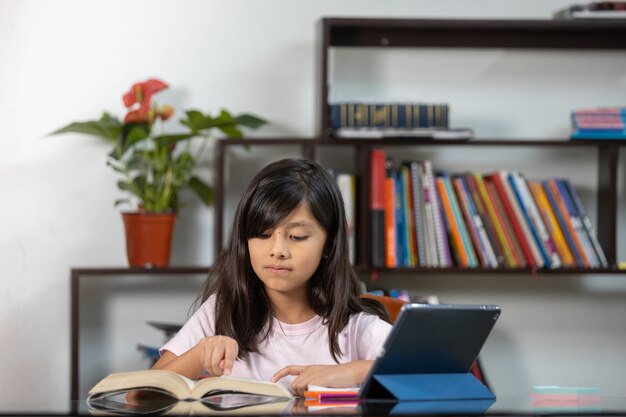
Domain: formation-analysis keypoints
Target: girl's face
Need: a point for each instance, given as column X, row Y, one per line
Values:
column 285, row 257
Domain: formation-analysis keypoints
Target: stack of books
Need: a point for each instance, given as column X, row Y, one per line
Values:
column 431, row 218
column 593, row 10
column 599, row 123
column 393, row 120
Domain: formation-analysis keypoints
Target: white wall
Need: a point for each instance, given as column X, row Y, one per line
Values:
column 69, row 60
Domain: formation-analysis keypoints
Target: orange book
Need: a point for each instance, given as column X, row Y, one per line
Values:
column 390, row 222
column 453, row 227
column 567, row 222
column 488, row 204
column 552, row 224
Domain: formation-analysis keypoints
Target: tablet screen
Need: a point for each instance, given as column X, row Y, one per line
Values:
column 435, row 338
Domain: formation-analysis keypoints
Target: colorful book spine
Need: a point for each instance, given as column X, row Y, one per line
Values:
column 520, row 260
column 499, row 229
column 388, row 115
column 486, row 219
column 443, row 248
column 472, row 228
column 563, row 218
column 521, row 220
column 409, row 216
column 458, row 215
column 377, row 206
column 401, row 239
column 456, row 241
column 587, row 247
column 587, row 223
column 537, row 221
column 418, row 210
column 552, row 224
column 516, row 226
column 347, row 186
column 432, row 255
column 390, row 221
column 477, row 220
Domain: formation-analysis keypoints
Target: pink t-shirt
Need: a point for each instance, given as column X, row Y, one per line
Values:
column 289, row 344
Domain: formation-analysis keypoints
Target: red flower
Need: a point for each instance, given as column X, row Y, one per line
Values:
column 142, row 93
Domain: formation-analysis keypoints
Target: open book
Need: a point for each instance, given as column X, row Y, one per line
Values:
column 173, row 393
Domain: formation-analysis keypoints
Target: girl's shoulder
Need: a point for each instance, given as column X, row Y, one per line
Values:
column 362, row 320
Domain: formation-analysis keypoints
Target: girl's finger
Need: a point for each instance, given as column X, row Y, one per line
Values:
column 287, row 370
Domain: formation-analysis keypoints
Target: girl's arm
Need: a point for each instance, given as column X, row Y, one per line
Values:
column 343, row 375
column 215, row 354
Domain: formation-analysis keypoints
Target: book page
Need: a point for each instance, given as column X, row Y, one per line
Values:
column 162, row 380
column 222, row 384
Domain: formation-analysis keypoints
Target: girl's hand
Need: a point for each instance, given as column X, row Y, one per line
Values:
column 333, row 376
column 217, row 354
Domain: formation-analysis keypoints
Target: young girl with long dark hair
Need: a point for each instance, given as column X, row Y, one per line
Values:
column 282, row 300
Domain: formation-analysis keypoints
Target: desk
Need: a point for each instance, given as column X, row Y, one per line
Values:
column 504, row 406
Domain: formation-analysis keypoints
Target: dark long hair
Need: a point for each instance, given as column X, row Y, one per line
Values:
column 242, row 307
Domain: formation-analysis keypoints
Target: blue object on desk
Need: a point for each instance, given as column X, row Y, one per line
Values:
column 429, row 353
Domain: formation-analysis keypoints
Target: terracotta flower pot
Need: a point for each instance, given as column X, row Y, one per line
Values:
column 148, row 238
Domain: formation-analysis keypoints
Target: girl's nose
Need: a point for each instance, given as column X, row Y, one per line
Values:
column 279, row 248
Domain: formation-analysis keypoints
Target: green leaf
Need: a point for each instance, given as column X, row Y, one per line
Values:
column 121, row 201
column 108, row 127
column 194, row 120
column 250, row 121
column 231, row 131
column 165, row 140
column 202, row 190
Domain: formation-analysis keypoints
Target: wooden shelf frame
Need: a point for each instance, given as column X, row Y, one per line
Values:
column 76, row 275
column 607, row 163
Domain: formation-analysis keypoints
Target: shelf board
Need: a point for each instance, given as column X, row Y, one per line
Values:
column 421, row 142
column 139, row 271
column 462, row 33
column 508, row 271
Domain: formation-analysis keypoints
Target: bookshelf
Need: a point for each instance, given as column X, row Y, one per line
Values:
column 430, row 33
column 149, row 278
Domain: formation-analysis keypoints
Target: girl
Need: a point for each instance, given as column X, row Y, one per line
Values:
column 282, row 301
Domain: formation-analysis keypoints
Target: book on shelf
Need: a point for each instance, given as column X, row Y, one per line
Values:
column 608, row 123
column 347, row 187
column 426, row 133
column 175, row 393
column 582, row 213
column 498, row 219
column 388, row 115
column 552, row 224
column 577, row 224
column 507, row 228
column 562, row 216
column 595, row 10
column 517, row 221
column 378, row 160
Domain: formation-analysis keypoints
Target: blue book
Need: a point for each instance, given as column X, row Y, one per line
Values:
column 577, row 223
column 562, row 222
column 582, row 213
column 598, row 135
column 400, row 228
column 531, row 224
column 388, row 115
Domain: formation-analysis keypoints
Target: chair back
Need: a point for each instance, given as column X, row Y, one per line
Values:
column 391, row 304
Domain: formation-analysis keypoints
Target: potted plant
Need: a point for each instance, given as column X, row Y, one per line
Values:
column 154, row 167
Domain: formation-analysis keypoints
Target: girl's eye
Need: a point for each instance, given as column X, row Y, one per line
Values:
column 264, row 236
column 299, row 238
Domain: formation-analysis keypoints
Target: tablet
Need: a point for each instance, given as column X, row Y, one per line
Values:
column 433, row 339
